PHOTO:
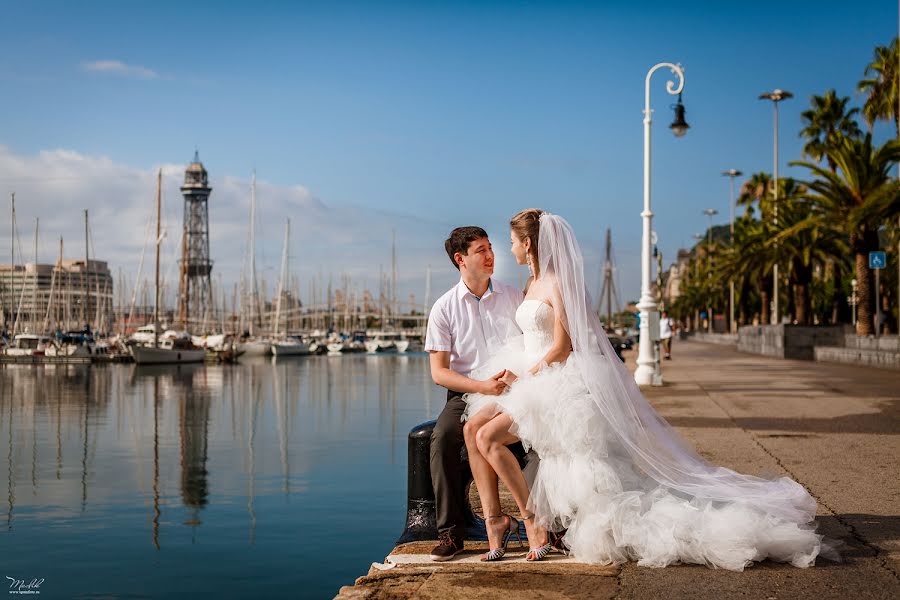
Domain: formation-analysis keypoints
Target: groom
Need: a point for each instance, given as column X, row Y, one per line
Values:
column 462, row 327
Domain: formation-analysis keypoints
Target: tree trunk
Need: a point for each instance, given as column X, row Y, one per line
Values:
column 862, row 243
column 743, row 318
column 802, row 302
column 764, row 312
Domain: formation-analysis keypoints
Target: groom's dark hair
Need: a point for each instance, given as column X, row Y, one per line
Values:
column 459, row 241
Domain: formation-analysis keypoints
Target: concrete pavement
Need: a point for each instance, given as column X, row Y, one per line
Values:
column 833, row 428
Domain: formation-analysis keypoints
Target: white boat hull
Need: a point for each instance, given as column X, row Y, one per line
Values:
column 373, row 347
column 147, row 355
column 257, row 348
column 289, row 349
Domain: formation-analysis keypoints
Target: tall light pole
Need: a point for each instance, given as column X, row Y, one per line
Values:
column 698, row 237
column 643, row 375
column 709, row 212
column 776, row 96
column 732, row 173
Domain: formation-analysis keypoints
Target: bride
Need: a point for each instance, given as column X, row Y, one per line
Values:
column 611, row 471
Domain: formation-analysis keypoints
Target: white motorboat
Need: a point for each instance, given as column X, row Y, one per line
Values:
column 28, row 344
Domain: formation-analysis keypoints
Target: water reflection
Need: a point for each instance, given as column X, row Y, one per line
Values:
column 257, row 457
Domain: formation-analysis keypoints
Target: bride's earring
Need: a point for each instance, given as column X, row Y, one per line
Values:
column 529, row 262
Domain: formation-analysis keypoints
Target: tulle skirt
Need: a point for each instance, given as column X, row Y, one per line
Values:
column 583, row 480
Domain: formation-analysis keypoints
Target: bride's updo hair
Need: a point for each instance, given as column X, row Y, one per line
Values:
column 526, row 225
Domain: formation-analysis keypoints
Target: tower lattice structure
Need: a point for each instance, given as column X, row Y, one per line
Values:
column 195, row 301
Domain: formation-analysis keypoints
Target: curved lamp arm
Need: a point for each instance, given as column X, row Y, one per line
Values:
column 671, row 87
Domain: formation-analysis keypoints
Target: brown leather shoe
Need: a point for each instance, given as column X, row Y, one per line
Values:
column 449, row 546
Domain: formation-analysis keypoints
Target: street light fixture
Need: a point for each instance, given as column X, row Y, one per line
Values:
column 644, row 374
column 732, row 173
column 679, row 126
column 776, row 96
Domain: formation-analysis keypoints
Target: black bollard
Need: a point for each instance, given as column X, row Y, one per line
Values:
column 421, row 523
column 420, row 514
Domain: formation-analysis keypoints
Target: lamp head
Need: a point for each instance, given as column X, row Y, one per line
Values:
column 776, row 95
column 732, row 173
column 679, row 126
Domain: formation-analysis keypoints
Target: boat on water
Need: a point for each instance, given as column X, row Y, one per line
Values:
column 174, row 347
column 291, row 347
column 256, row 347
column 78, row 344
column 28, row 344
column 386, row 341
column 220, row 347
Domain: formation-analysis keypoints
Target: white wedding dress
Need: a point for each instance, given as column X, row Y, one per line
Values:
column 586, row 480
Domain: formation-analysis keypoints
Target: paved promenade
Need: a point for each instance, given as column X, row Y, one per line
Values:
column 833, row 428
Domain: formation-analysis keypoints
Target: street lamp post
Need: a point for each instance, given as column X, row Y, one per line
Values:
column 643, row 375
column 776, row 96
column 732, row 173
column 698, row 237
column 709, row 212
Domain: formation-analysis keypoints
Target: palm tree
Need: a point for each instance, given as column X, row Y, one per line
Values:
column 753, row 258
column 748, row 261
column 803, row 240
column 757, row 189
column 856, row 198
column 880, row 84
column 827, row 118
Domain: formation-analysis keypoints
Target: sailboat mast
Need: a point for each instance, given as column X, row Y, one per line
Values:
column 34, row 311
column 84, row 275
column 254, row 291
column 158, row 241
column 283, row 277
column 12, row 272
column 427, row 291
column 393, row 276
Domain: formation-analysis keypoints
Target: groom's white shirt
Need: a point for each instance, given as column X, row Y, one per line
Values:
column 469, row 328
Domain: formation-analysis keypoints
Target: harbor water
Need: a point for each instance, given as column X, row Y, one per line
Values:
column 261, row 479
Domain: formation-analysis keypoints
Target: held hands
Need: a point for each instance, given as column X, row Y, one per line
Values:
column 498, row 383
column 509, row 377
column 495, row 385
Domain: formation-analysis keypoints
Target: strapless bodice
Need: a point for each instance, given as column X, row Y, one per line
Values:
column 535, row 319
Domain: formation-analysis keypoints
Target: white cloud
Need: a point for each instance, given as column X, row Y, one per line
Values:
column 337, row 240
column 116, row 67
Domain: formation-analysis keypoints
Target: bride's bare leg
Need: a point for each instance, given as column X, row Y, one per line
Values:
column 485, row 479
column 492, row 439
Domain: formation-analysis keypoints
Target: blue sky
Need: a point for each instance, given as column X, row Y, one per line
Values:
column 413, row 116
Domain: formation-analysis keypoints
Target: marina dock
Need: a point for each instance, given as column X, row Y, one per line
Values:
column 833, row 428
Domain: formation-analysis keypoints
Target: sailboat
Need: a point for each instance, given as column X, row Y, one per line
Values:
column 254, row 346
column 286, row 346
column 173, row 348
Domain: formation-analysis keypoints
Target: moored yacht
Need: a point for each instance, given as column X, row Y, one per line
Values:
column 28, row 344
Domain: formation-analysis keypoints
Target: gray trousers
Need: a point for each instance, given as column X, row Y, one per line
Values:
column 448, row 451
column 447, row 446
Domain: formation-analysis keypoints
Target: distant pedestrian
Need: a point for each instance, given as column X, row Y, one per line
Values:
column 666, row 330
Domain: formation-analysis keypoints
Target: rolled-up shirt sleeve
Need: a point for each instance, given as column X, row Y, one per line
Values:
column 437, row 336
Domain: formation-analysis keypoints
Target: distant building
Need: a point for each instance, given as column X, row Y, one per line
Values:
column 675, row 277
column 66, row 296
